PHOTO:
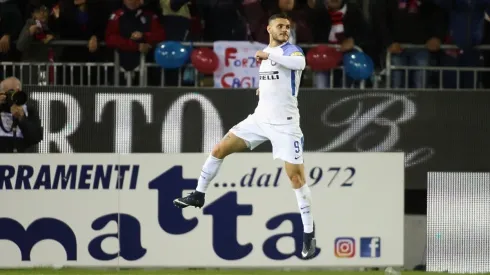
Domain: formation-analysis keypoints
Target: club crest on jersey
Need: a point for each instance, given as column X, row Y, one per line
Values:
column 273, row 63
column 274, row 75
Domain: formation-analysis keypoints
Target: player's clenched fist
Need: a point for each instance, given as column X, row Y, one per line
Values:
column 261, row 55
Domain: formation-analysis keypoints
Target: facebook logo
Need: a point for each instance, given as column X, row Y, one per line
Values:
column 370, row 247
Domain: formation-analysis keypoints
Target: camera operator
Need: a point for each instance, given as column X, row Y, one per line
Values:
column 20, row 127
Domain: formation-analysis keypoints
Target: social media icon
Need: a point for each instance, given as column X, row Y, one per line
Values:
column 370, row 247
column 345, row 247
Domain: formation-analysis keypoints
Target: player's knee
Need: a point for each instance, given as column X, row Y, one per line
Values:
column 296, row 180
column 219, row 151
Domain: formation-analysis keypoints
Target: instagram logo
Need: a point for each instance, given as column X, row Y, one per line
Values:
column 345, row 247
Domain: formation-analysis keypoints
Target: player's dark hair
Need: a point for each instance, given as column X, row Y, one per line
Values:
column 278, row 16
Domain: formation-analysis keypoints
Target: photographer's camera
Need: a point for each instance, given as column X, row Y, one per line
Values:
column 20, row 126
column 13, row 97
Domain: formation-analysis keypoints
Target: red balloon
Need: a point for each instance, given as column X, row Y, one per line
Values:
column 205, row 60
column 323, row 58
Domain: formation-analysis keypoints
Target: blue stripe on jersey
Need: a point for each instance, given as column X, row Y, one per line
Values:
column 293, row 82
column 288, row 49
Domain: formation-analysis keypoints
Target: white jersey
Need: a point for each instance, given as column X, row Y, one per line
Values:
column 278, row 85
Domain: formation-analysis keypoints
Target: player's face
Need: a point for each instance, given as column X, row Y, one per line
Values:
column 279, row 29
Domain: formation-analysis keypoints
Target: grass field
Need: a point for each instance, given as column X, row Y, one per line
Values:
column 192, row 272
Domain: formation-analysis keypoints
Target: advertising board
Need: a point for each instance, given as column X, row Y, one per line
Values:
column 116, row 210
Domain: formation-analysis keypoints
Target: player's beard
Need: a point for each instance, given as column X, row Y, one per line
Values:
column 280, row 38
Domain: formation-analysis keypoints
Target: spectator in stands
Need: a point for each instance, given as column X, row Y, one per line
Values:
column 337, row 22
column 24, row 6
column 81, row 20
column 10, row 25
column 133, row 31
column 180, row 19
column 32, row 43
column 26, row 9
column 36, row 29
column 222, row 20
column 466, row 20
column 181, row 22
column 410, row 22
column 258, row 12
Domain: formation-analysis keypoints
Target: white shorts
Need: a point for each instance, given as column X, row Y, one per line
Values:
column 286, row 139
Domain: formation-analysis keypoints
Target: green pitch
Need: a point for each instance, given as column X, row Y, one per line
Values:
column 193, row 272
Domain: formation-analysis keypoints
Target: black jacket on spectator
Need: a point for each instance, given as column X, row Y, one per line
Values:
column 73, row 24
column 394, row 24
column 30, row 127
column 223, row 20
column 10, row 21
column 122, row 24
column 258, row 13
column 355, row 25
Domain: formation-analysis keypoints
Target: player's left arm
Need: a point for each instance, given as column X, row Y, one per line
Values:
column 293, row 60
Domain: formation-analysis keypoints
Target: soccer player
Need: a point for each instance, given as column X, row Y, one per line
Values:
column 276, row 118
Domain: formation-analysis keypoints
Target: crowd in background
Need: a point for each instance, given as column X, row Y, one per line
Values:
column 136, row 26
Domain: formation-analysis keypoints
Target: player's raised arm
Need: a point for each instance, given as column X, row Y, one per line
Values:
column 294, row 61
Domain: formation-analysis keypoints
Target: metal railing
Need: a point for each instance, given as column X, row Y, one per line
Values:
column 60, row 73
column 443, row 72
column 76, row 73
column 90, row 73
column 331, row 76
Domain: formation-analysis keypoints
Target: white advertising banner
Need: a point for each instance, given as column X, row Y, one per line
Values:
column 237, row 65
column 117, row 210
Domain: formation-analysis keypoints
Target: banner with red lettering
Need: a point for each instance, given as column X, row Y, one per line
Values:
column 238, row 67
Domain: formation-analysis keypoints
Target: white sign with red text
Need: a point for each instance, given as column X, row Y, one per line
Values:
column 237, row 65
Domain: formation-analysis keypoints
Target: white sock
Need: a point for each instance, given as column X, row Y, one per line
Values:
column 303, row 196
column 208, row 172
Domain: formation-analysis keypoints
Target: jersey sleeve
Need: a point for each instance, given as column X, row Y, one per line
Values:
column 293, row 50
column 292, row 57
